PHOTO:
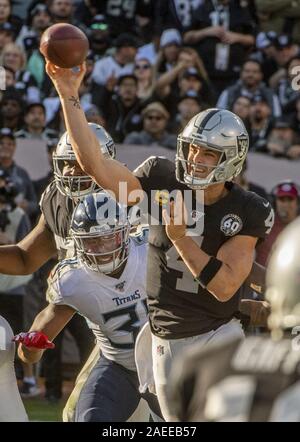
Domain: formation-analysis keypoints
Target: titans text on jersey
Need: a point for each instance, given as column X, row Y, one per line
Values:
column 115, row 308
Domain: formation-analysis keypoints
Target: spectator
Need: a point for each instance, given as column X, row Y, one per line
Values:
column 241, row 107
column 145, row 77
column 122, row 110
column 283, row 141
column 6, row 34
column 26, row 198
column 150, row 50
column 186, row 76
column 11, row 109
column 10, row 80
column 188, row 106
column 94, row 115
column 110, row 68
column 285, row 51
column 286, row 92
column 187, row 58
column 155, row 121
column 35, row 122
column 266, row 53
column 123, row 16
column 260, row 123
column 286, row 204
column 167, row 57
column 86, row 10
column 222, row 33
column 7, row 17
column 250, row 84
column 99, row 36
column 15, row 58
column 174, row 14
column 39, row 19
column 62, row 11
column 279, row 16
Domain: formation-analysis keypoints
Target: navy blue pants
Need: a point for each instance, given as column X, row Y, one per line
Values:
column 111, row 394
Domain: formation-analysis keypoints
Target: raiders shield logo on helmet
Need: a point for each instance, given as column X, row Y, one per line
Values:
column 242, row 143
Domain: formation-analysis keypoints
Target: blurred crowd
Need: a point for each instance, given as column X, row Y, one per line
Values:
column 152, row 65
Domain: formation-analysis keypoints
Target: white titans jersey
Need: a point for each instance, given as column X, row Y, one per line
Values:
column 115, row 309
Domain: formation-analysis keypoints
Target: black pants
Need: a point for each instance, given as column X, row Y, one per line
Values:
column 52, row 366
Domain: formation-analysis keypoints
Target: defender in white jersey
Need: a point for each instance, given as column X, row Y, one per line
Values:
column 106, row 284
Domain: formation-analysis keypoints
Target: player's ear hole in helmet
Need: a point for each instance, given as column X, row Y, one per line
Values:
column 100, row 229
column 216, row 130
column 70, row 179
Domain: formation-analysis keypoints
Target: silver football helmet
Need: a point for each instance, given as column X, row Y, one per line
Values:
column 79, row 185
column 100, row 229
column 283, row 280
column 219, row 130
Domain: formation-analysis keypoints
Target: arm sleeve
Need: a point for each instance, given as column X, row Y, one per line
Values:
column 259, row 218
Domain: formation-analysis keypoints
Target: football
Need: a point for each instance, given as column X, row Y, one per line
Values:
column 64, row 45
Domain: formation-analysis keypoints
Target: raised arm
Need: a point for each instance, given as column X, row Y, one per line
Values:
column 106, row 172
column 29, row 254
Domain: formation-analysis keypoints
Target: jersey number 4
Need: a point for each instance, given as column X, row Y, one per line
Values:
column 185, row 282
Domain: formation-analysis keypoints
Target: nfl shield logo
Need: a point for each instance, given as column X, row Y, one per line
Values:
column 120, row 286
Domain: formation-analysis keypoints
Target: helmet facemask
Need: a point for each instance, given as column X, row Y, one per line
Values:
column 103, row 251
column 217, row 130
column 80, row 185
column 73, row 186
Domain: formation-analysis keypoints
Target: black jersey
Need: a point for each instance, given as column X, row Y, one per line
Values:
column 57, row 210
column 178, row 306
column 255, row 379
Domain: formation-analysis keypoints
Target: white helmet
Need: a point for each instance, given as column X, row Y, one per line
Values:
column 80, row 185
column 221, row 131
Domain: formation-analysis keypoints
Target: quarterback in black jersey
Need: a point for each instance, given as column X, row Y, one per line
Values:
column 193, row 282
column 256, row 379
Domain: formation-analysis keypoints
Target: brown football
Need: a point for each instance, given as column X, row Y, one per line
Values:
column 64, row 45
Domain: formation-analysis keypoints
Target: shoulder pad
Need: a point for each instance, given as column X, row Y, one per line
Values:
column 53, row 292
column 63, row 267
column 46, row 193
column 154, row 165
column 140, row 237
